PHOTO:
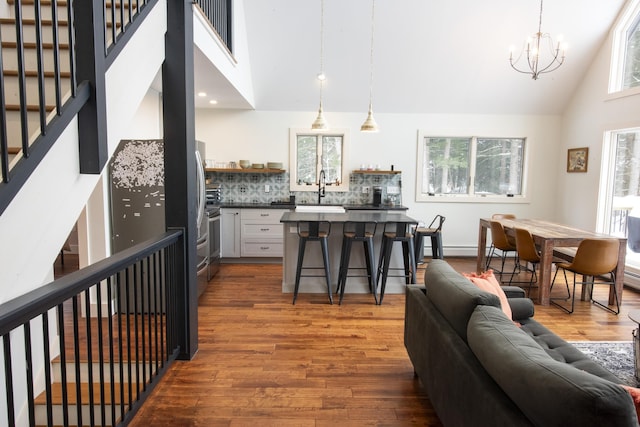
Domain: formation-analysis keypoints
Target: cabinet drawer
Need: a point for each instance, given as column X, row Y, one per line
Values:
column 263, row 216
column 254, row 248
column 262, row 230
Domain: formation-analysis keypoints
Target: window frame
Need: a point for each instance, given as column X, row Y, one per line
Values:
column 293, row 157
column 627, row 19
column 470, row 196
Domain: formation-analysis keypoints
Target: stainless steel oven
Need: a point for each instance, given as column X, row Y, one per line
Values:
column 214, row 239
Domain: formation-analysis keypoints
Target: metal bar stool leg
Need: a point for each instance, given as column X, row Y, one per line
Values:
column 325, row 255
column 346, row 257
column 301, row 247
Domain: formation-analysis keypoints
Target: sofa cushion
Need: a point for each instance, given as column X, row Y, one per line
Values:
column 454, row 295
column 535, row 381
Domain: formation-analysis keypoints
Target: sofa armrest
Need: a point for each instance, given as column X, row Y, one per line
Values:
column 521, row 308
column 513, row 291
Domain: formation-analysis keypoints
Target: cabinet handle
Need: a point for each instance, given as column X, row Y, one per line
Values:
column 264, row 214
column 264, row 248
column 265, row 229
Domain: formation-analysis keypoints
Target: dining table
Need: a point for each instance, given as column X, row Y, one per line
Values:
column 553, row 240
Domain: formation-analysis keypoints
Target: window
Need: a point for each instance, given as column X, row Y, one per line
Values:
column 469, row 166
column 625, row 61
column 312, row 152
column 631, row 75
column 619, row 195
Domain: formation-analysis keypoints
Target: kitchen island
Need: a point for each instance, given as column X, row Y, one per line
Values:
column 313, row 255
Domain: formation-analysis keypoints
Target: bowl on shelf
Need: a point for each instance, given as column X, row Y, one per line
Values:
column 244, row 164
column 257, row 166
column 274, row 165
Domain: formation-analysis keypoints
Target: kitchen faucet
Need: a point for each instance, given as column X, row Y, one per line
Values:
column 321, row 185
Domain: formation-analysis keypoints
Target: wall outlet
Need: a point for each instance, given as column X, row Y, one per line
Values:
column 267, row 188
column 393, row 190
column 365, row 190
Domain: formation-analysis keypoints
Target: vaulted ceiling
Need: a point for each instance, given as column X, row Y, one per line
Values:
column 428, row 56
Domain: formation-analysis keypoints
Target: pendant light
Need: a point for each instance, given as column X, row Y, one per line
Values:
column 320, row 123
column 370, row 124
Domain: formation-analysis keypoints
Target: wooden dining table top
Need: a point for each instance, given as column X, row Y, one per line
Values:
column 543, row 229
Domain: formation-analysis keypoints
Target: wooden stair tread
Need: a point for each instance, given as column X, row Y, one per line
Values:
column 63, row 3
column 28, row 21
column 57, row 393
column 32, row 108
column 32, row 45
column 32, row 73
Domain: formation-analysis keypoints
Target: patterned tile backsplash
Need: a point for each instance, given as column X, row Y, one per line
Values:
column 250, row 188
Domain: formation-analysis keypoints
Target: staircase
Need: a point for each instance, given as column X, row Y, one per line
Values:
column 46, row 85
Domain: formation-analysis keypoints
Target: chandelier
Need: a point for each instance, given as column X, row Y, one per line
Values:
column 539, row 62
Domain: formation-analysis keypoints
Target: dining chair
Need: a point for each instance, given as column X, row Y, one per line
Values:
column 594, row 259
column 502, row 242
column 527, row 252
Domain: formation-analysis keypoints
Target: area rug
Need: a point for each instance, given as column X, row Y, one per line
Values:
column 616, row 356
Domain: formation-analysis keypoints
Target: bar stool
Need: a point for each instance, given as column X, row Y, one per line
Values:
column 397, row 232
column 313, row 231
column 433, row 231
column 357, row 232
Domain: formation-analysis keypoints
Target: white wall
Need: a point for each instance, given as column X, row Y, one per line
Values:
column 263, row 136
column 591, row 112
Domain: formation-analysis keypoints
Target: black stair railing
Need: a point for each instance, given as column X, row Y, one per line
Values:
column 220, row 15
column 87, row 348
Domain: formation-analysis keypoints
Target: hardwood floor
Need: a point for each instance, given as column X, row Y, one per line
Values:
column 263, row 361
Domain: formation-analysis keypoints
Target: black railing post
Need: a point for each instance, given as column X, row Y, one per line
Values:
column 180, row 163
column 91, row 66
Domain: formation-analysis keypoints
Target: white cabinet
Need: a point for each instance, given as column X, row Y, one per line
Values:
column 230, row 233
column 261, row 232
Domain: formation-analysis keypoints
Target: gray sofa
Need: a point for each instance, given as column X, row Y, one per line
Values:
column 481, row 369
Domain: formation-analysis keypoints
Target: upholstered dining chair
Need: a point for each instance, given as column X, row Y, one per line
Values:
column 594, row 259
column 502, row 242
column 527, row 252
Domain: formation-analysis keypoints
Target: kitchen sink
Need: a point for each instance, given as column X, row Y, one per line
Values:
column 320, row 208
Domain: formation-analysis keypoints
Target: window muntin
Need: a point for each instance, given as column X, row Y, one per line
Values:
column 470, row 167
column 312, row 152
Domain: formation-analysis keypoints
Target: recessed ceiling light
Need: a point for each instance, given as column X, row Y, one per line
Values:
column 213, row 102
column 202, row 94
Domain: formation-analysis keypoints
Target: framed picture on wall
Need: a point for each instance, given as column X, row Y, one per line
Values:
column 577, row 159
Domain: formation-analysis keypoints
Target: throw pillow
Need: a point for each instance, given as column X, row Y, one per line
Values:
column 488, row 282
column 635, row 396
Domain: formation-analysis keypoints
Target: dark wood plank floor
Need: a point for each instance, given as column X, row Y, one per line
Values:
column 265, row 362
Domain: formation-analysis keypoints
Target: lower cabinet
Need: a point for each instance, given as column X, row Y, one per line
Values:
column 261, row 233
column 251, row 233
column 229, row 233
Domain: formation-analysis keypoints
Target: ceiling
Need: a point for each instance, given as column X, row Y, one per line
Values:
column 446, row 57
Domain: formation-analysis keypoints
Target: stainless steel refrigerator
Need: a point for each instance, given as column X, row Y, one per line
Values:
column 136, row 173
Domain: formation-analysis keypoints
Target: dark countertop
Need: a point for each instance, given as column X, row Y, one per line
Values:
column 290, row 206
column 383, row 216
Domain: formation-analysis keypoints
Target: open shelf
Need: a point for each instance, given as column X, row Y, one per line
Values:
column 248, row 170
column 376, row 172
